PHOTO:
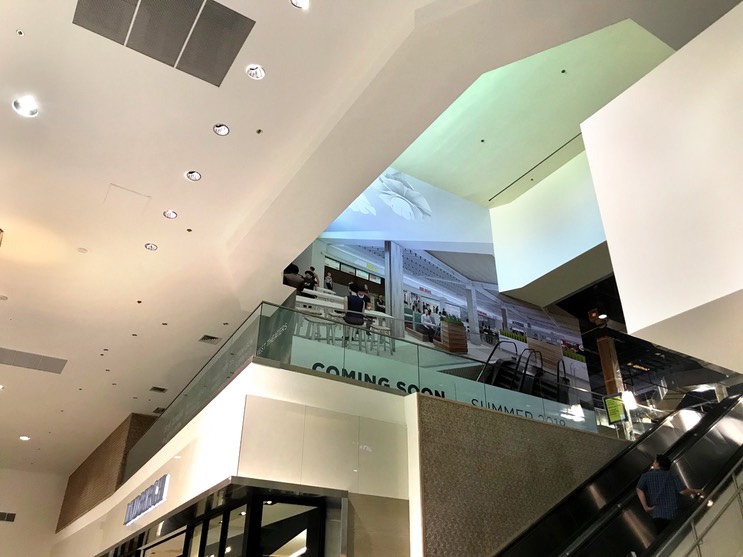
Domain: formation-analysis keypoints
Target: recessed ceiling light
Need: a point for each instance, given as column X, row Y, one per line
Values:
column 603, row 316
column 170, row 214
column 255, row 71
column 2, row 387
column 82, row 250
column 150, row 246
column 3, row 298
column 193, row 175
column 221, row 129
column 26, row 106
column 24, row 438
column 301, row 4
column 243, row 513
column 19, row 32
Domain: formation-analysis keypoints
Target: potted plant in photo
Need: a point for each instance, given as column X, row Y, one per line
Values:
column 453, row 335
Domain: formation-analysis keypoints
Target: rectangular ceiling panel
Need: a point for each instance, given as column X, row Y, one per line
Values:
column 108, row 18
column 215, row 41
column 162, row 26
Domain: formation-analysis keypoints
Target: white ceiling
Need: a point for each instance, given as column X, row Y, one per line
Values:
column 517, row 124
column 342, row 99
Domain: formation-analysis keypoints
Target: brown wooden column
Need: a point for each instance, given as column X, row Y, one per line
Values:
column 610, row 365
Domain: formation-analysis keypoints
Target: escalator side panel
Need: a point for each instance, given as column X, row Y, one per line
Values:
column 713, row 453
column 581, row 507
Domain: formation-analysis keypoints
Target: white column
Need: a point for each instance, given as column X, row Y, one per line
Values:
column 393, row 287
column 472, row 315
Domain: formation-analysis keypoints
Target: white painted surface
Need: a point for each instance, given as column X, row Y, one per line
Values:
column 207, row 450
column 303, row 445
column 666, row 163
column 415, row 500
column 552, row 223
column 36, row 499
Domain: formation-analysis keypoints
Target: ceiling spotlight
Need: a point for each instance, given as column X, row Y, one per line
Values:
column 221, row 129
column 170, row 214
column 2, row 387
column 24, row 438
column 26, row 106
column 301, row 4
column 150, row 246
column 19, row 32
column 193, row 175
column 603, row 316
column 255, row 71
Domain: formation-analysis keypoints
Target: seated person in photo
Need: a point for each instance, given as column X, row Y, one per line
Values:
column 354, row 305
column 429, row 327
column 309, row 280
column 293, row 278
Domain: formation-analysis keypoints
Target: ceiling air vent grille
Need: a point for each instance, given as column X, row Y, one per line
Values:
column 199, row 37
column 31, row 361
column 210, row 339
column 158, row 410
column 158, row 389
column 7, row 517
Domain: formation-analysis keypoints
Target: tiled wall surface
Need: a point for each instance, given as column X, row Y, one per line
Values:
column 486, row 475
column 378, row 527
column 100, row 474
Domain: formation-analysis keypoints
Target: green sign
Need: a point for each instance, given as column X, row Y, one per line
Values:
column 615, row 409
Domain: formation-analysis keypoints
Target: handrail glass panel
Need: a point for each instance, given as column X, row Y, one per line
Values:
column 368, row 355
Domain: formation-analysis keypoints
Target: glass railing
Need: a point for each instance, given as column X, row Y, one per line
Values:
column 370, row 356
column 716, row 528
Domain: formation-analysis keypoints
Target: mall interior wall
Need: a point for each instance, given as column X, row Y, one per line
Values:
column 100, row 474
column 555, row 223
column 666, row 163
column 35, row 498
column 485, row 476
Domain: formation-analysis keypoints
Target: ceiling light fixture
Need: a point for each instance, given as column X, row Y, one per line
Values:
column 150, row 246
column 2, row 387
column 19, row 32
column 301, row 4
column 255, row 71
column 170, row 214
column 603, row 316
column 221, row 129
column 193, row 175
column 24, row 438
column 26, row 106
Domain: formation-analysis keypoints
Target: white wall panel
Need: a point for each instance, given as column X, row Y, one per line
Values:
column 383, row 466
column 273, row 439
column 554, row 222
column 331, row 450
column 666, row 163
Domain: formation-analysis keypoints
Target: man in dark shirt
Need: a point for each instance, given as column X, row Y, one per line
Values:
column 659, row 490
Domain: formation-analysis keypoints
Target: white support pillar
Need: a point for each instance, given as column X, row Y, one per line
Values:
column 472, row 316
column 393, row 287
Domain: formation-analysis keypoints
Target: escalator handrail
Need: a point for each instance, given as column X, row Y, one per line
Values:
column 685, row 439
column 497, row 344
column 614, row 508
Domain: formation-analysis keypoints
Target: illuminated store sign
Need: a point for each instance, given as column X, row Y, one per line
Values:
column 147, row 500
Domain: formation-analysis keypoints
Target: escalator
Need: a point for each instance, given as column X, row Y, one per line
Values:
column 603, row 518
column 626, row 529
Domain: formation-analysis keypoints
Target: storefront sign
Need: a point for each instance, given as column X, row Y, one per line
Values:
column 147, row 500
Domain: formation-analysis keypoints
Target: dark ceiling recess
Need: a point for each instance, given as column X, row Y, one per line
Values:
column 199, row 37
column 643, row 365
column 602, row 296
